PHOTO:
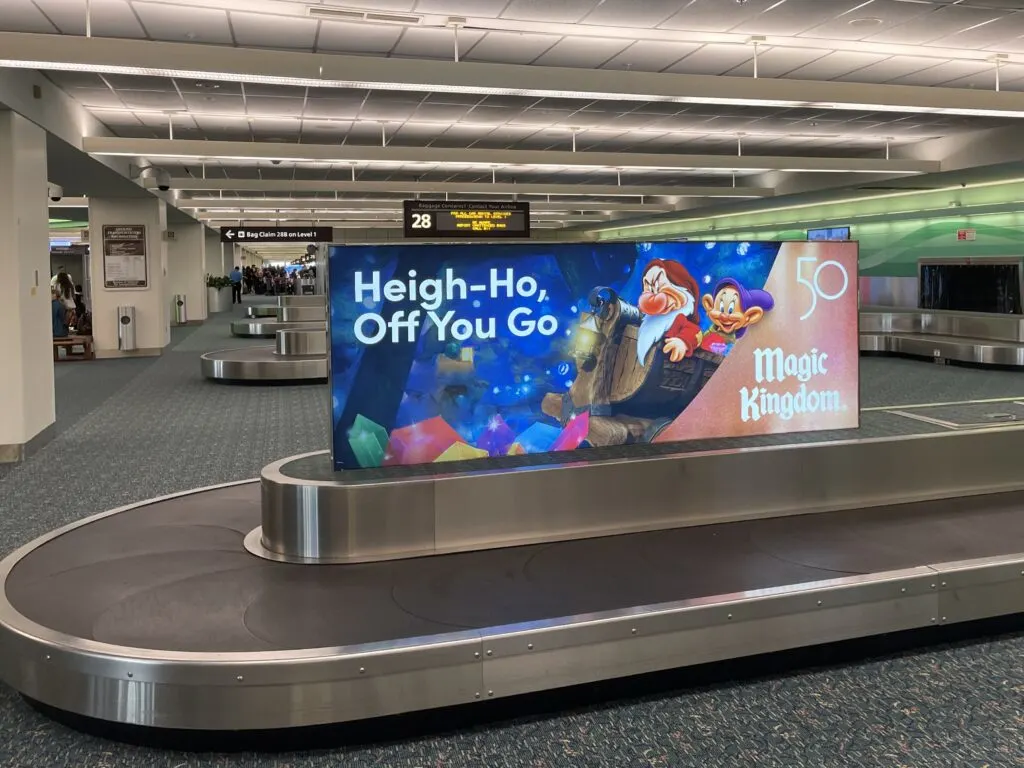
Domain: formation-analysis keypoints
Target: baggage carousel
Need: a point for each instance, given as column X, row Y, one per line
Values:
column 158, row 615
column 965, row 337
column 298, row 355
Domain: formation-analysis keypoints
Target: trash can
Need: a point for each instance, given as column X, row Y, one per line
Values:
column 180, row 310
column 126, row 329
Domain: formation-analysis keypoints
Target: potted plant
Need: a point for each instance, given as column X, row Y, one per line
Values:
column 218, row 294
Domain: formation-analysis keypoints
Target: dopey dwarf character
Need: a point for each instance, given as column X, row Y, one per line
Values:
column 732, row 309
column 669, row 306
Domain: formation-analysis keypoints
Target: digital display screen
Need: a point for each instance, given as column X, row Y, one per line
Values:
column 473, row 351
column 442, row 219
column 835, row 233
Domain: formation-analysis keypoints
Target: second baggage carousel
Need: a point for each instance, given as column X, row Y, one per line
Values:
column 263, row 365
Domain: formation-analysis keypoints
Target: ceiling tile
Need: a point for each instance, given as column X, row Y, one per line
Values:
column 713, row 59
column 651, row 56
column 342, row 37
column 445, row 113
column 580, row 52
column 563, row 11
column 263, row 31
column 479, row 8
column 942, row 72
column 878, row 16
column 643, row 14
column 168, row 22
column 1005, row 28
column 208, row 87
column 23, row 16
column 68, row 80
column 887, row 69
column 432, row 43
column 510, row 47
column 489, row 114
column 985, row 79
column 834, row 65
column 151, row 99
column 226, row 104
column 333, row 108
column 110, row 18
column 96, row 98
column 939, row 23
column 777, row 62
column 791, row 17
column 714, row 15
column 273, row 106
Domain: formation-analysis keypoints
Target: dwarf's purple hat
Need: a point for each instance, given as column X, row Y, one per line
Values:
column 753, row 297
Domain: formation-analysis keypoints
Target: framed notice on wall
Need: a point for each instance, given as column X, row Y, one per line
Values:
column 124, row 256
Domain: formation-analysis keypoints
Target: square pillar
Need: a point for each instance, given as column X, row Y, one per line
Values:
column 152, row 302
column 26, row 341
column 186, row 259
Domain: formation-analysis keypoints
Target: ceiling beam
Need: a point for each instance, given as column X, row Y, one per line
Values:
column 214, row 204
column 535, row 216
column 460, row 188
column 197, row 61
column 199, row 150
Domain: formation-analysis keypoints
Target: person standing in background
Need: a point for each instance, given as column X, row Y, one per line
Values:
column 236, row 286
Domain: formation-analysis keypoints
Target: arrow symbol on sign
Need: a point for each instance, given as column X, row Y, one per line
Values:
column 229, row 234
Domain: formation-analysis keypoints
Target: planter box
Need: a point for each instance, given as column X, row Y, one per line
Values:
column 218, row 300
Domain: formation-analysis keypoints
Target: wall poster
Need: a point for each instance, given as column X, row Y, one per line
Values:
column 451, row 352
column 124, row 256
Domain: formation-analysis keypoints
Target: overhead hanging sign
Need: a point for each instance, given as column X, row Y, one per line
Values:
column 276, row 234
column 441, row 219
column 124, row 256
column 481, row 351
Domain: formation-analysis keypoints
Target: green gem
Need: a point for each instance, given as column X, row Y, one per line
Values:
column 368, row 439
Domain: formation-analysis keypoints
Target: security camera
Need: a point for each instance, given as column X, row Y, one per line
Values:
column 55, row 192
column 162, row 179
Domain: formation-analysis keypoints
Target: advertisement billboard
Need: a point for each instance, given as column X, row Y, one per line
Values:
column 451, row 352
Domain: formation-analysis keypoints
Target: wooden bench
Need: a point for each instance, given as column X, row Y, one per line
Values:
column 69, row 343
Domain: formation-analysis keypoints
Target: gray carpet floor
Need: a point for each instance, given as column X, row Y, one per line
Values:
column 131, row 430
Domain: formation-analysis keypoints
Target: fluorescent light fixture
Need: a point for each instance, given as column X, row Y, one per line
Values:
column 721, row 166
column 588, row 95
column 532, row 127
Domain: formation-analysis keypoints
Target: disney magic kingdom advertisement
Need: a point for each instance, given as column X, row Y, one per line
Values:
column 474, row 351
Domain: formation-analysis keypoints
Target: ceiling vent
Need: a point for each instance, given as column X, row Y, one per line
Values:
column 336, row 13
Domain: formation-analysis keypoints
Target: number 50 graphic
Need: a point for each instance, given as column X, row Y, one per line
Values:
column 814, row 286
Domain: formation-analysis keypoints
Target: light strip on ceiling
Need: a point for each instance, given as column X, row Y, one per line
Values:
column 590, row 95
column 554, row 166
column 399, row 123
column 818, row 204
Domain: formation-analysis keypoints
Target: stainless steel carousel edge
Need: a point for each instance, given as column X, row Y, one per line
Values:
column 334, row 521
column 239, row 691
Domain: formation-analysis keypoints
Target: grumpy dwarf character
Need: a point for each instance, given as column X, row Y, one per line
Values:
column 669, row 305
column 732, row 309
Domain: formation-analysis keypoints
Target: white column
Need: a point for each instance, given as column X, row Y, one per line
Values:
column 214, row 254
column 186, row 261
column 26, row 347
column 153, row 302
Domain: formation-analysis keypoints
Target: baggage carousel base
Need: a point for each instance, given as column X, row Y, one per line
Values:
column 154, row 615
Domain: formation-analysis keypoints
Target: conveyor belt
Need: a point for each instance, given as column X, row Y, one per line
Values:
column 155, row 615
column 173, row 575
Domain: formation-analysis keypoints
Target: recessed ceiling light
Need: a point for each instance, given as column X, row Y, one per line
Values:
column 867, row 21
